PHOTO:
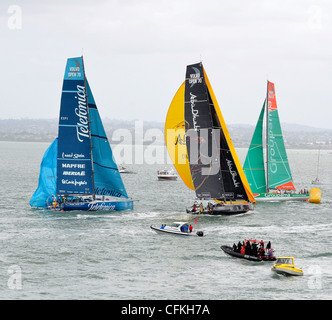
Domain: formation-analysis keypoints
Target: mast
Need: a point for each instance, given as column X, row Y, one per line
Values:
column 87, row 107
column 318, row 163
column 267, row 137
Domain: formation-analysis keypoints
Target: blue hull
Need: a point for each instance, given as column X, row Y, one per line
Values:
column 97, row 206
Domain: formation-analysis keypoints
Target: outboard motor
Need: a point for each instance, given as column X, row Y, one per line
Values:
column 200, row 233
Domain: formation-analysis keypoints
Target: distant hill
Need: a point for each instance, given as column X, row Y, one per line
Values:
column 295, row 135
column 291, row 127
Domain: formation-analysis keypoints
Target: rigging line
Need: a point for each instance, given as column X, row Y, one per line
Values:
column 97, row 136
column 284, row 162
column 73, row 159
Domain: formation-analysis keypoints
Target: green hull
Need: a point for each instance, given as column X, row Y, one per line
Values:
column 282, row 197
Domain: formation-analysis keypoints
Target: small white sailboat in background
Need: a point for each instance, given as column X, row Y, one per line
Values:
column 166, row 174
column 123, row 169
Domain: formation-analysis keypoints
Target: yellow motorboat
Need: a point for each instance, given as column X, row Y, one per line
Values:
column 285, row 265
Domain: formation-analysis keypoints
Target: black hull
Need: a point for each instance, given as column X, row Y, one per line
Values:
column 230, row 251
column 216, row 213
column 223, row 210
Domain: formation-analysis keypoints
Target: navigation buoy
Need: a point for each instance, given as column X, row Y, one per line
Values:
column 315, row 195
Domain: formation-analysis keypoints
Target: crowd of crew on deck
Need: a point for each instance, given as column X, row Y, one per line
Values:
column 56, row 201
column 254, row 248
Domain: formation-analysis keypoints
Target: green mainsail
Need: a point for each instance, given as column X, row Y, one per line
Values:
column 254, row 164
column 278, row 171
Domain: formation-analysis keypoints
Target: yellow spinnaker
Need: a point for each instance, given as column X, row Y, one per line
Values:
column 175, row 137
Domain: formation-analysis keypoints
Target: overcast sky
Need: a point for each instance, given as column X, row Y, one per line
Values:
column 136, row 52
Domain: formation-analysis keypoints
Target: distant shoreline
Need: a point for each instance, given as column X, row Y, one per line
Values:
column 45, row 130
column 324, row 147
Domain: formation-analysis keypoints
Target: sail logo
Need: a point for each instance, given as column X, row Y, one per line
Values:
column 273, row 168
column 107, row 192
column 73, row 173
column 205, row 195
column 233, row 173
column 195, row 77
column 101, row 206
column 271, row 93
column 81, row 111
column 198, row 140
column 74, row 182
column 271, row 98
column 73, row 165
column 180, row 140
column 73, row 155
column 74, row 72
column 194, row 111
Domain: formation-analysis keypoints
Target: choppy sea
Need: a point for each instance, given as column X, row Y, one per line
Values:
column 116, row 255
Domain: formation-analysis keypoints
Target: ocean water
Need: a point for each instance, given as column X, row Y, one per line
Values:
column 87, row 255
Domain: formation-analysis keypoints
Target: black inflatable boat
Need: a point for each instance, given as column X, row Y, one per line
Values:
column 229, row 250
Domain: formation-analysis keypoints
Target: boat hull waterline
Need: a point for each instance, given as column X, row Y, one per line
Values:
column 286, row 266
column 288, row 271
column 165, row 177
column 281, row 197
column 222, row 210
